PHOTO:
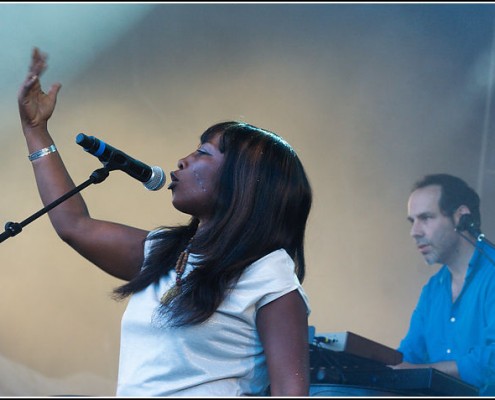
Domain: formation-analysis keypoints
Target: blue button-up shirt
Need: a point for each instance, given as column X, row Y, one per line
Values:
column 463, row 331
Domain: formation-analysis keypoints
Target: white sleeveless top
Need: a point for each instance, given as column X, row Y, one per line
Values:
column 220, row 357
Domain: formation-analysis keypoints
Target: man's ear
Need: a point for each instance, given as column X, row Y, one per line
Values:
column 462, row 218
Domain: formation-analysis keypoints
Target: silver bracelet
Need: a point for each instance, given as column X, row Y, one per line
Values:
column 42, row 152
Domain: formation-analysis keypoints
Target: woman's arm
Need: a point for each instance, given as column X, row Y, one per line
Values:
column 115, row 248
column 283, row 328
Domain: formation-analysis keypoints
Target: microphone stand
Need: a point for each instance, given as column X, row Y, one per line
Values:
column 13, row 228
column 482, row 238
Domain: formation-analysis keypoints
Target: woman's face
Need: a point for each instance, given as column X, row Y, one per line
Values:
column 194, row 185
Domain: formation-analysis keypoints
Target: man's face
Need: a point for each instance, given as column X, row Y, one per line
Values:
column 433, row 232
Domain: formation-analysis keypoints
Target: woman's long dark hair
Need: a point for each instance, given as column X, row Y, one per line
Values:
column 263, row 204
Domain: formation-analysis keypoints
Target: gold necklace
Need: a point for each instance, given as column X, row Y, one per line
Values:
column 180, row 266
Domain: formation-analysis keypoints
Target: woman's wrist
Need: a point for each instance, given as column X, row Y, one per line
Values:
column 37, row 138
column 42, row 152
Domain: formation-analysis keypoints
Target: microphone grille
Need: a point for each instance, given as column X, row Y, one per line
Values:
column 157, row 179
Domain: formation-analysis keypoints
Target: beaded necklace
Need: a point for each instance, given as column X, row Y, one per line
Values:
column 180, row 266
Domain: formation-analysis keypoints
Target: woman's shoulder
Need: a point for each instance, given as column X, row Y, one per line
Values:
column 271, row 277
column 152, row 238
column 154, row 233
column 274, row 263
column 279, row 255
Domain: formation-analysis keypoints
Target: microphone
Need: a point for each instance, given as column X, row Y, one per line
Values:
column 466, row 223
column 153, row 178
